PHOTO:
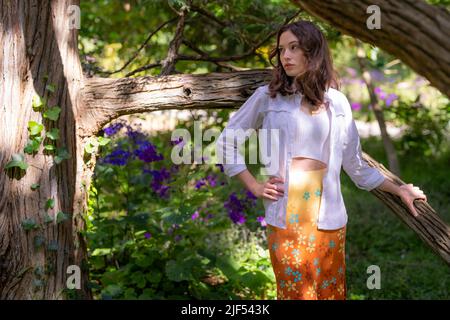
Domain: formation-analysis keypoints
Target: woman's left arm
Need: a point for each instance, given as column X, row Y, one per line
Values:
column 407, row 193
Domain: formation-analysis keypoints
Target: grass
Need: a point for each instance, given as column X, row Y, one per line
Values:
column 375, row 236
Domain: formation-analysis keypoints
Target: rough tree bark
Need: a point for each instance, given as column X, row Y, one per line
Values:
column 411, row 30
column 39, row 49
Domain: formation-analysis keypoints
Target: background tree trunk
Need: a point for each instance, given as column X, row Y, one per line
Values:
column 411, row 30
column 39, row 49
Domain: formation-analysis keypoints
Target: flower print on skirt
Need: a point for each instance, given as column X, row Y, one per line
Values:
column 308, row 263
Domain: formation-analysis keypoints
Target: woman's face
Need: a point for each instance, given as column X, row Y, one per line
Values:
column 291, row 56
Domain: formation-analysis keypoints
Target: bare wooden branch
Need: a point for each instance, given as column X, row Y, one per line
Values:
column 168, row 64
column 107, row 99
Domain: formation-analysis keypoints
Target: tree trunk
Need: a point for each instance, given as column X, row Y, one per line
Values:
column 39, row 50
column 378, row 111
column 411, row 30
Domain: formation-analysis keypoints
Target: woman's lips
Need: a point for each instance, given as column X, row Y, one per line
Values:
column 289, row 66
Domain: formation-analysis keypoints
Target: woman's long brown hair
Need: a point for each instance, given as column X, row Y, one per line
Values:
column 319, row 74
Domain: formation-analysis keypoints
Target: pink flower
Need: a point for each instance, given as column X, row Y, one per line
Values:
column 261, row 220
column 195, row 215
column 356, row 106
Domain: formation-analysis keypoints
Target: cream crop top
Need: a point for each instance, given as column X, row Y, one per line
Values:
column 313, row 131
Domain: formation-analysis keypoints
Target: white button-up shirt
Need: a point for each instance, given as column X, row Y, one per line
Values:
column 283, row 113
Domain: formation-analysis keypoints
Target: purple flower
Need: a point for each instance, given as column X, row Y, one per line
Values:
column 235, row 209
column 380, row 93
column 113, row 128
column 146, row 151
column 200, row 183
column 178, row 237
column 377, row 75
column 391, row 98
column 159, row 177
column 262, row 220
column 117, row 157
column 356, row 106
column 195, row 215
column 211, row 180
column 147, row 235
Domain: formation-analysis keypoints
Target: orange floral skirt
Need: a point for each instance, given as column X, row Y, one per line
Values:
column 309, row 264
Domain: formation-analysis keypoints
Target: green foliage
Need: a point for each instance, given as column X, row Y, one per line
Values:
column 18, row 160
column 29, row 224
column 143, row 245
column 428, row 129
column 52, row 113
column 34, row 128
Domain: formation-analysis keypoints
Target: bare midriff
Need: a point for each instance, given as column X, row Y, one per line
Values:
column 307, row 164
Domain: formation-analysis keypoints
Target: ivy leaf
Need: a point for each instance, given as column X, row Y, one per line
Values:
column 35, row 186
column 49, row 147
column 29, row 224
column 48, row 219
column 89, row 148
column 37, row 103
column 17, row 161
column 61, row 154
column 34, row 128
column 32, row 146
column 53, row 134
column 61, row 216
column 50, row 204
column 52, row 113
column 50, row 87
column 103, row 141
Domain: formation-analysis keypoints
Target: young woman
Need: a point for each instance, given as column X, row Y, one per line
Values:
column 304, row 208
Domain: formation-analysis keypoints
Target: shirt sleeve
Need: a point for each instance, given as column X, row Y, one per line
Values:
column 363, row 176
column 245, row 120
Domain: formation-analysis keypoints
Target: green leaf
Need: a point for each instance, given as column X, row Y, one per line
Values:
column 103, row 141
column 49, row 147
column 52, row 113
column 53, row 134
column 29, row 224
column 32, row 146
column 61, row 154
column 89, row 148
column 139, row 279
column 48, row 219
column 101, row 252
column 35, row 186
column 176, row 272
column 37, row 103
column 50, row 204
column 50, row 87
column 112, row 290
column 34, row 128
column 17, row 161
column 61, row 216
